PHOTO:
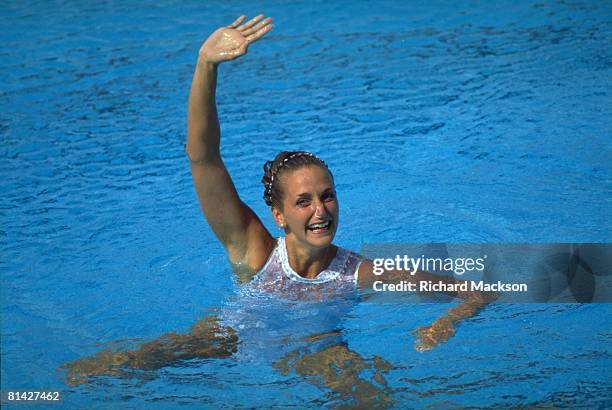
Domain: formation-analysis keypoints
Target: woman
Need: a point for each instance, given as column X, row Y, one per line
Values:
column 300, row 191
column 302, row 265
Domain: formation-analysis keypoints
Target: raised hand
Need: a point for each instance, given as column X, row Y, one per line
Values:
column 229, row 43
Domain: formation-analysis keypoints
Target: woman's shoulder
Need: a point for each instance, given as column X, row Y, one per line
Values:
column 255, row 260
column 347, row 262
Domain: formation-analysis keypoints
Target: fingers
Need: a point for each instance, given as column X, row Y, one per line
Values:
column 237, row 22
column 423, row 347
column 262, row 24
column 250, row 23
column 259, row 33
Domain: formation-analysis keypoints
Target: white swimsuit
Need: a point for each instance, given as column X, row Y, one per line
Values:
column 278, row 278
column 278, row 310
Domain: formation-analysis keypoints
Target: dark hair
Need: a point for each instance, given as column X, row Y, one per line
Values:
column 285, row 161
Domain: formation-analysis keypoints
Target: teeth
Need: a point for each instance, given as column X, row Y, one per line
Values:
column 318, row 226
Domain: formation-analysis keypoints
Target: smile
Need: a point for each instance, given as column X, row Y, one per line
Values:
column 319, row 227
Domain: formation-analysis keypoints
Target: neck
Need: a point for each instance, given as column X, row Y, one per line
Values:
column 308, row 262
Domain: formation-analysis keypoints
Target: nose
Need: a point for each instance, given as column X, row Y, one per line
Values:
column 320, row 210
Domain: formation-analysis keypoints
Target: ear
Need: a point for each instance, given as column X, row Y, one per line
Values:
column 279, row 218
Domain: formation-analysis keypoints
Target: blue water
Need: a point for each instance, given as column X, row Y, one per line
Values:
column 442, row 122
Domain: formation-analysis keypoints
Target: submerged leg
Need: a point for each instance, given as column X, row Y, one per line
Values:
column 342, row 370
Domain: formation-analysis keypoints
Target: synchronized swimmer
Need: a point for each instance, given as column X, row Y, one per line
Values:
column 300, row 191
column 302, row 264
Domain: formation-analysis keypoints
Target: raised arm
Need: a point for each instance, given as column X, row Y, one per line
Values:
column 442, row 328
column 244, row 237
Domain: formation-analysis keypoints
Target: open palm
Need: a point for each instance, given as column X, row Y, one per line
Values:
column 228, row 43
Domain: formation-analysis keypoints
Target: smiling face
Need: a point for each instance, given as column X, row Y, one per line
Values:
column 310, row 210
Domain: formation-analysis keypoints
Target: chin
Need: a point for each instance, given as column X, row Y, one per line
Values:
column 321, row 241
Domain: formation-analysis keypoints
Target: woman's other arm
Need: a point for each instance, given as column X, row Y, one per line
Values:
column 207, row 339
column 244, row 237
column 442, row 328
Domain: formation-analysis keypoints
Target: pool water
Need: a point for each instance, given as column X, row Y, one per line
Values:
column 456, row 122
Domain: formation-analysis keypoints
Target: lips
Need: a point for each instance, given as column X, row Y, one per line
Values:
column 319, row 227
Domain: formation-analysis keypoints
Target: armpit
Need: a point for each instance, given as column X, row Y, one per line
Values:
column 244, row 273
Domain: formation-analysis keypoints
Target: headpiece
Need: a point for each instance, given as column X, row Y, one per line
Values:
column 268, row 168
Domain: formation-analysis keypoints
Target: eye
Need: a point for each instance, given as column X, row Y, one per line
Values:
column 302, row 202
column 329, row 196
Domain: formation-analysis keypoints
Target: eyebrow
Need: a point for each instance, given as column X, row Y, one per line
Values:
column 304, row 195
column 308, row 195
